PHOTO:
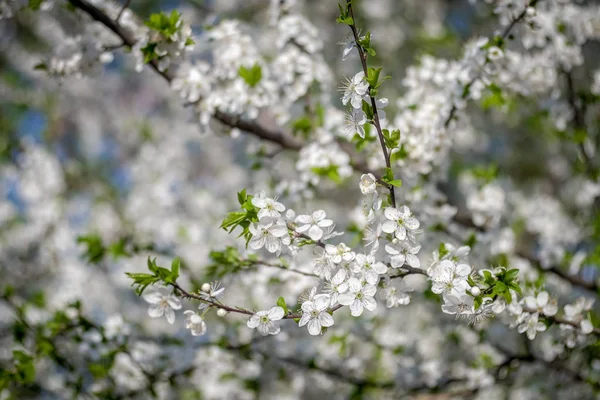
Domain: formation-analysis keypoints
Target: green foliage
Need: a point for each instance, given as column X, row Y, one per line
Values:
column 149, row 52
column 35, row 4
column 365, row 43
column 24, row 367
column 391, row 139
column 281, row 303
column 442, row 250
column 372, row 79
column 330, row 172
column 498, row 285
column 251, row 75
column 344, row 17
column 243, row 218
column 228, row 262
column 494, row 99
column 95, row 250
column 158, row 274
column 400, row 153
column 368, row 110
column 485, row 173
column 164, row 24
column 388, row 178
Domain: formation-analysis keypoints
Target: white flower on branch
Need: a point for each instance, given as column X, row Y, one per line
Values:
column 403, row 252
column 162, row 302
column 270, row 234
column 358, row 297
column 354, row 122
column 269, row 207
column 195, row 323
column 354, row 90
column 399, row 221
column 368, row 183
column 313, row 224
column 450, row 278
column 370, row 268
column 542, row 303
column 264, row 321
column 315, row 314
column 531, row 326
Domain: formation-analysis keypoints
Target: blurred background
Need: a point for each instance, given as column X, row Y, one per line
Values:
column 103, row 166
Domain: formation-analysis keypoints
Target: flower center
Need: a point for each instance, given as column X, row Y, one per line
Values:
column 359, row 295
column 314, row 313
column 264, row 319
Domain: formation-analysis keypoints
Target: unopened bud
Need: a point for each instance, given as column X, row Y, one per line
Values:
column 475, row 291
column 221, row 312
column 205, row 287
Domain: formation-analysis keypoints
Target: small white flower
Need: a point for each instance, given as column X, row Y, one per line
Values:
column 195, row 323
column 358, row 297
column 268, row 207
column 162, row 302
column 586, row 326
column 348, row 44
column 314, row 224
column 211, row 292
column 337, row 285
column 269, row 234
column 354, row 89
column 450, row 277
column 354, row 122
column 314, row 313
column 531, row 326
column 339, row 253
column 399, row 221
column 368, row 183
column 403, row 252
column 458, row 304
column 369, row 267
column 264, row 321
column 398, row 294
column 542, row 303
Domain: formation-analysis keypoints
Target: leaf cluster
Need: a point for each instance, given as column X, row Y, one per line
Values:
column 158, row 274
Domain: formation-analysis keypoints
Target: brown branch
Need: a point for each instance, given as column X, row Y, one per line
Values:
column 376, row 123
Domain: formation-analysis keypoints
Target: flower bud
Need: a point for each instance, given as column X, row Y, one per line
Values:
column 221, row 312
column 475, row 291
column 205, row 287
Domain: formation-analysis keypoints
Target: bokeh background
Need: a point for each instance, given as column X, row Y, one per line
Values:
column 102, row 170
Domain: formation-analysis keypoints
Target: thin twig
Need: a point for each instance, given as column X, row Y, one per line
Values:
column 376, row 123
column 126, row 6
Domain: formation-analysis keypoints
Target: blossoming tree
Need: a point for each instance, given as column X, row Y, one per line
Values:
column 190, row 210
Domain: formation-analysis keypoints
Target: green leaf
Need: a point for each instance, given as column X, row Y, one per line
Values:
column 35, row 4
column 373, row 76
column 95, row 249
column 367, row 109
column 175, row 268
column 41, row 67
column 251, row 75
column 442, row 250
column 281, row 303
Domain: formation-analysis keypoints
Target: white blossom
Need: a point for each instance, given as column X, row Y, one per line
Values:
column 358, row 297
column 264, row 321
column 315, row 314
column 354, row 90
column 162, row 302
column 399, row 221
column 313, row 224
column 195, row 323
